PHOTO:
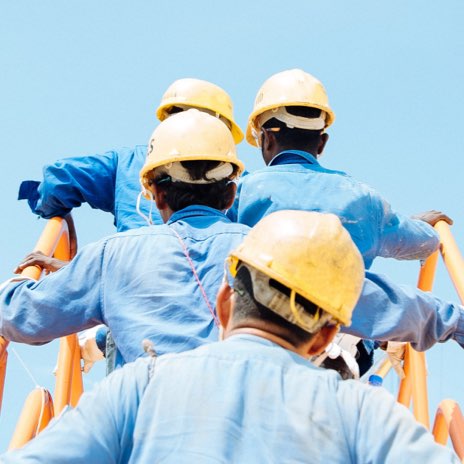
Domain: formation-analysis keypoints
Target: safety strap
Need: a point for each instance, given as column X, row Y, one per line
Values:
column 195, row 274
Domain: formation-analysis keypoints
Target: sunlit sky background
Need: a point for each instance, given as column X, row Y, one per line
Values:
column 84, row 77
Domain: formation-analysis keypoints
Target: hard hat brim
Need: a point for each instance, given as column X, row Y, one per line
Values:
column 237, row 133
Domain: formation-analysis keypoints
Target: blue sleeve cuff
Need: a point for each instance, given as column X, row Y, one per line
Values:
column 29, row 190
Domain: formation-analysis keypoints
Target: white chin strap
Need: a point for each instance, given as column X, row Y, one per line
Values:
column 178, row 173
column 292, row 121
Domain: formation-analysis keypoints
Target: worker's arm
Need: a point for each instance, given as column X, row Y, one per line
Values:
column 61, row 303
column 384, row 431
column 99, row 429
column 386, row 311
column 403, row 237
column 70, row 182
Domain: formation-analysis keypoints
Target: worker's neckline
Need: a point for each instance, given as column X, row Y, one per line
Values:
column 195, row 210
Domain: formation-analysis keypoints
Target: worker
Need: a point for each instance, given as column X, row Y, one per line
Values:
column 153, row 294
column 255, row 397
column 110, row 181
column 156, row 282
column 288, row 122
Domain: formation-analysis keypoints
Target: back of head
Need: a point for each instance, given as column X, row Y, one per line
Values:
column 192, row 156
column 304, row 268
column 292, row 88
column 288, row 126
column 189, row 93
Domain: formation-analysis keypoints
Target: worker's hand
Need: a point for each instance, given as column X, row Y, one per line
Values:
column 432, row 217
column 395, row 352
column 90, row 352
column 72, row 235
column 37, row 258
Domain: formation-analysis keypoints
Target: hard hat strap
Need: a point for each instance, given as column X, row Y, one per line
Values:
column 292, row 121
column 195, row 274
column 144, row 192
column 178, row 173
column 286, row 306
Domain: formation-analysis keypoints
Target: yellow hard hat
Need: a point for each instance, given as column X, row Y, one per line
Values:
column 203, row 95
column 289, row 88
column 190, row 136
column 311, row 254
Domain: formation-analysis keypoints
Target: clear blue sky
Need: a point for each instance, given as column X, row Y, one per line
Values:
column 86, row 77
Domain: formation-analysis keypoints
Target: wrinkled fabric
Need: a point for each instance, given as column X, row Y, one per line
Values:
column 245, row 400
column 109, row 182
column 139, row 283
column 295, row 180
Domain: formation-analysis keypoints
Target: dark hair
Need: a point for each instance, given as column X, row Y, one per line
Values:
column 296, row 138
column 179, row 195
column 247, row 308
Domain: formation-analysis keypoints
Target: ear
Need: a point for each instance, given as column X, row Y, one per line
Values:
column 322, row 339
column 233, row 194
column 159, row 196
column 322, row 143
column 268, row 140
column 224, row 304
column 268, row 146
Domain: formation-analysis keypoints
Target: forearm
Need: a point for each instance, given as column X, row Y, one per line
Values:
column 407, row 238
column 70, row 182
column 64, row 302
column 386, row 311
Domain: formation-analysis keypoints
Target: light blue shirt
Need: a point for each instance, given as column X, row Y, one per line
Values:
column 139, row 283
column 108, row 181
column 245, row 400
column 295, row 180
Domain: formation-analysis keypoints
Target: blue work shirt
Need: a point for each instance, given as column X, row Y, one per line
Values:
column 295, row 180
column 139, row 283
column 109, row 182
column 245, row 400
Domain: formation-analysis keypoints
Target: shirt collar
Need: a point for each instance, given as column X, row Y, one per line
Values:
column 195, row 211
column 257, row 340
column 293, row 157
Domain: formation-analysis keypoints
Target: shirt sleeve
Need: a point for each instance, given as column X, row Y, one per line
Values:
column 384, row 431
column 72, row 181
column 61, row 303
column 402, row 237
column 99, row 429
column 386, row 311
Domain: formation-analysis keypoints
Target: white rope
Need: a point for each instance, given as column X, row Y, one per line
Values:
column 34, row 381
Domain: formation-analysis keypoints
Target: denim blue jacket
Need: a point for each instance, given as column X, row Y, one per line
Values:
column 244, row 400
column 109, row 182
column 295, row 180
column 139, row 283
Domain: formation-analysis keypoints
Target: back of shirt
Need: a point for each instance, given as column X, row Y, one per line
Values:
column 295, row 180
column 312, row 188
column 150, row 287
column 247, row 400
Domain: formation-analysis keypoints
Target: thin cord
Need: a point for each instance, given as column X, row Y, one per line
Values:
column 34, row 381
column 189, row 259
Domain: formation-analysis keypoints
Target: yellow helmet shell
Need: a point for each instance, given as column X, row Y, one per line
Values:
column 196, row 93
column 294, row 87
column 309, row 252
column 189, row 136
